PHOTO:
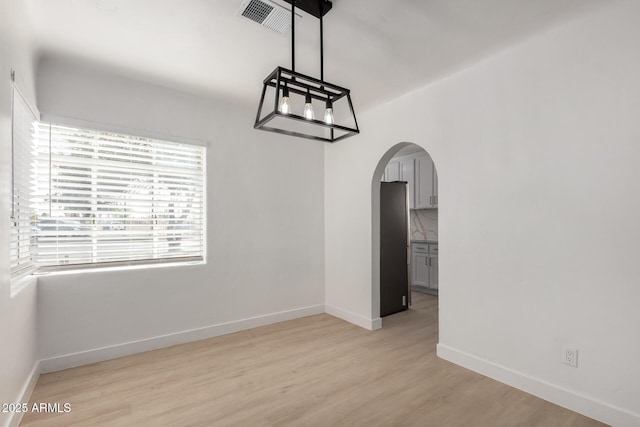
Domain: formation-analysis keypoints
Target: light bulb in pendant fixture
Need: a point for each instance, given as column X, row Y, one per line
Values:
column 308, row 108
column 284, row 107
column 328, row 113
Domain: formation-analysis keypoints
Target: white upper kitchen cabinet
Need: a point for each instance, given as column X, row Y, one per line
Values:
column 401, row 169
column 392, row 171
column 407, row 174
column 426, row 196
column 418, row 171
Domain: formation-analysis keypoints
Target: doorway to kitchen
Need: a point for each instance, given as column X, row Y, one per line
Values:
column 406, row 168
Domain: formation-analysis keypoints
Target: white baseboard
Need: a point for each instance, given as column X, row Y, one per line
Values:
column 356, row 319
column 25, row 394
column 585, row 405
column 72, row 360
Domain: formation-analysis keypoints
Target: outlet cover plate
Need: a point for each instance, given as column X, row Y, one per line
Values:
column 570, row 356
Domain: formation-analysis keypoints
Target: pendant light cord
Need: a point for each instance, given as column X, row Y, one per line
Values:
column 320, row 6
column 293, row 36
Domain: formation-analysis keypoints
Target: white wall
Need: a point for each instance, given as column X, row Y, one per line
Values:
column 537, row 149
column 265, row 227
column 18, row 311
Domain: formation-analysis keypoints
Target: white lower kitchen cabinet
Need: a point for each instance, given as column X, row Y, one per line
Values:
column 420, row 270
column 424, row 265
column 433, row 272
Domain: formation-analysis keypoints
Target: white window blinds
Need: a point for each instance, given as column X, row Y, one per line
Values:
column 23, row 183
column 112, row 199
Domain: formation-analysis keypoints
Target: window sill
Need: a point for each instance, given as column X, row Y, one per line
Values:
column 106, row 269
column 21, row 283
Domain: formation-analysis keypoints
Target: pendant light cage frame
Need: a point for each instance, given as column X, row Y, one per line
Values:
column 284, row 90
column 271, row 119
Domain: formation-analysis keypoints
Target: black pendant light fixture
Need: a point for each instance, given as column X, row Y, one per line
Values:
column 290, row 100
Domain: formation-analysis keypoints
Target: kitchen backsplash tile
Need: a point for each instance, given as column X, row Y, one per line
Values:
column 424, row 224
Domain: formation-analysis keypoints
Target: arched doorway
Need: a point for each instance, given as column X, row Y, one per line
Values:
column 408, row 162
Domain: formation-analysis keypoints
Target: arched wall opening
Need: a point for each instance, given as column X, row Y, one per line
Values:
column 375, row 217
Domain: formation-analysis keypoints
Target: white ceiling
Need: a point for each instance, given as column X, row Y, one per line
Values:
column 379, row 49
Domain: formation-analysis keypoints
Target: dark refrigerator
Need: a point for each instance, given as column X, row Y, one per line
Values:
column 394, row 247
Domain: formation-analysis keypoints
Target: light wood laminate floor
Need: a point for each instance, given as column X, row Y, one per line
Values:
column 315, row 371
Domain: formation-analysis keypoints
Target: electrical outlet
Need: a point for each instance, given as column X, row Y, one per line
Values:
column 570, row 356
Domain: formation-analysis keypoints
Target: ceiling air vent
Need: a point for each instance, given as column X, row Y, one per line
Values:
column 268, row 14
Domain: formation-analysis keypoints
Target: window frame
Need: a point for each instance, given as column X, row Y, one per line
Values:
column 147, row 262
column 19, row 269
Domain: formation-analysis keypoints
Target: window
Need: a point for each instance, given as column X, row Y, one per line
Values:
column 105, row 198
column 23, row 175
